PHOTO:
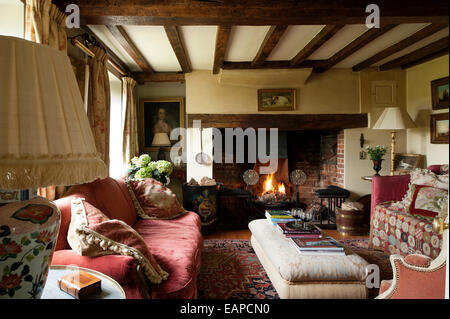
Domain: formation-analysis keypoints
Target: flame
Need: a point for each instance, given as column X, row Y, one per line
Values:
column 270, row 187
column 268, row 183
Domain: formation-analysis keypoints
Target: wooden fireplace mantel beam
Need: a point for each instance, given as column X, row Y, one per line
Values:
column 284, row 122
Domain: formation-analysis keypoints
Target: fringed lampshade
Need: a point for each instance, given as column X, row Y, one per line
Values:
column 45, row 136
column 45, row 139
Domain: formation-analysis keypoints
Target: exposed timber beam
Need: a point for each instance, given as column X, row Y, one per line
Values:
column 269, row 43
column 123, row 38
column 223, row 34
column 324, row 35
column 423, row 54
column 158, row 77
column 253, row 12
column 355, row 45
column 419, row 35
column 177, row 46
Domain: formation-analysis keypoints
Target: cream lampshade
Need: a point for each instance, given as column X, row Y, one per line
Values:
column 161, row 139
column 45, row 139
column 394, row 119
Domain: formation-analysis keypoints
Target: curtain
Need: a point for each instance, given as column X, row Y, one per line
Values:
column 45, row 24
column 130, row 137
column 99, row 99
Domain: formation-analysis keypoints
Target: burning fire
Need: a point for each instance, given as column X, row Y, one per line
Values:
column 269, row 185
column 273, row 192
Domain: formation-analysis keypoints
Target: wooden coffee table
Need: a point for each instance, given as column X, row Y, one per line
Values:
column 110, row 288
column 297, row 276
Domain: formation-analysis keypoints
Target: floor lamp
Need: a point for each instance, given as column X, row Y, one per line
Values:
column 394, row 119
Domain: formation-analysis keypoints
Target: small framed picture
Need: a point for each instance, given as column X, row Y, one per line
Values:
column 276, row 100
column 404, row 163
column 439, row 128
column 439, row 93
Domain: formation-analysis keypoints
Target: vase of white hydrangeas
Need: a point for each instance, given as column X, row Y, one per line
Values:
column 143, row 167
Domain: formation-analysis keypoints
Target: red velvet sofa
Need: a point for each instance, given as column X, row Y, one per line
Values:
column 176, row 244
column 393, row 230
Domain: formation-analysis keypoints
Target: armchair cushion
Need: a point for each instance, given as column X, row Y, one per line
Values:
column 418, row 260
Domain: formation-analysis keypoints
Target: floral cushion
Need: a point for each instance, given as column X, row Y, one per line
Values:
column 424, row 177
column 152, row 200
column 444, row 169
column 92, row 233
column 428, row 202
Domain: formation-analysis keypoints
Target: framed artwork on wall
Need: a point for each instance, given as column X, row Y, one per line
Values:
column 439, row 128
column 276, row 100
column 440, row 93
column 404, row 163
column 159, row 116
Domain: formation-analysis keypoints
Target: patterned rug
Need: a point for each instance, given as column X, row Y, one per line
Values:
column 231, row 270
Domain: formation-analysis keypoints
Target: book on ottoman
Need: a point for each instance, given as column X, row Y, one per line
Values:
column 279, row 216
column 299, row 233
column 318, row 246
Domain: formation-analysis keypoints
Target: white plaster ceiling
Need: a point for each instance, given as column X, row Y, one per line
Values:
column 244, row 43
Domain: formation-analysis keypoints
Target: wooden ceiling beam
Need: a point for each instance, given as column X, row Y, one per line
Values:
column 253, row 12
column 222, row 36
column 324, row 35
column 427, row 52
column 269, row 43
column 141, row 77
column 419, row 35
column 123, row 38
column 355, row 45
column 112, row 57
column 426, row 58
column 177, row 46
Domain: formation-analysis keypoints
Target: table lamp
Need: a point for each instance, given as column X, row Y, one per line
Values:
column 45, row 139
column 394, row 119
column 160, row 140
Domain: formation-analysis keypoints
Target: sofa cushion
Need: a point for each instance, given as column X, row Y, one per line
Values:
column 424, row 177
column 152, row 200
column 92, row 233
column 177, row 245
column 110, row 196
column 428, row 202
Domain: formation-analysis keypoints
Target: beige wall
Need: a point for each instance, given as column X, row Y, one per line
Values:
column 335, row 91
column 419, row 107
column 354, row 167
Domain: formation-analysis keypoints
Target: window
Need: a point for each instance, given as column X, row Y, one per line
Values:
column 116, row 165
column 12, row 18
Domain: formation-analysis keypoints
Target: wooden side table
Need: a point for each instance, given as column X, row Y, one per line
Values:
column 110, row 288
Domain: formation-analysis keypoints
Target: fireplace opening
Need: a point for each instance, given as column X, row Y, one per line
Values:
column 319, row 154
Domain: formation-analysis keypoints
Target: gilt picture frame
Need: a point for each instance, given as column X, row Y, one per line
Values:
column 276, row 99
column 439, row 129
column 159, row 115
column 440, row 93
column 404, row 163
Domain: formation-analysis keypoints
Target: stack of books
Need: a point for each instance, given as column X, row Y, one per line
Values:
column 318, row 246
column 279, row 216
column 299, row 233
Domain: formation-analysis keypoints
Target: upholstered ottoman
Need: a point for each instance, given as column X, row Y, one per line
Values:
column 295, row 276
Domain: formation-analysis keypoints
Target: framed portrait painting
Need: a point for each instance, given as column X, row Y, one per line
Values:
column 404, row 163
column 276, row 100
column 439, row 128
column 159, row 116
column 439, row 93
